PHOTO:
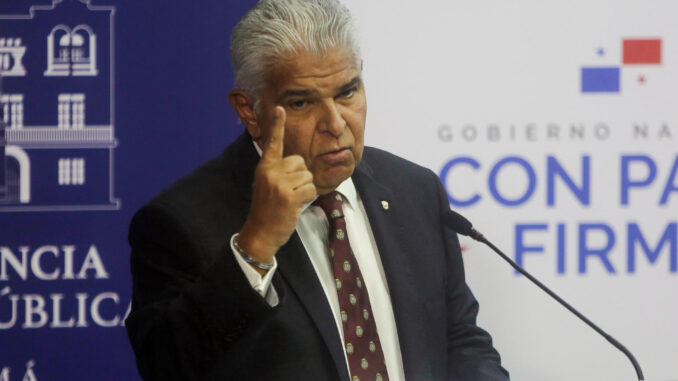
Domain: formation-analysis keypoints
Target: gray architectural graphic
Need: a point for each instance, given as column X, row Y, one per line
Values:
column 57, row 118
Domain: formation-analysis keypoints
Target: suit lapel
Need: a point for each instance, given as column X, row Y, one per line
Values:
column 294, row 266
column 391, row 239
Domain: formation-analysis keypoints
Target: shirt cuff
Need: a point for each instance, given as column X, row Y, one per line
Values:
column 261, row 285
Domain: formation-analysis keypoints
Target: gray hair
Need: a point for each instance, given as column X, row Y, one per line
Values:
column 277, row 29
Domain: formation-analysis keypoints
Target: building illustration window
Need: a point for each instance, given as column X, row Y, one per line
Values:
column 11, row 55
column 12, row 110
column 71, row 52
column 71, row 171
column 71, row 111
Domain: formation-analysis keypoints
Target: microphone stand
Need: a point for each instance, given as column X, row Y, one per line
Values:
column 463, row 226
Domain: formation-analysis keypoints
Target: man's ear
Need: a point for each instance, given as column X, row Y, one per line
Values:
column 243, row 104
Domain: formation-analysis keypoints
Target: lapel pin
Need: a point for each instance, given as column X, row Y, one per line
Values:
column 384, row 204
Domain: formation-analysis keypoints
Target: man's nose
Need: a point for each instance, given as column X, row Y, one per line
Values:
column 332, row 121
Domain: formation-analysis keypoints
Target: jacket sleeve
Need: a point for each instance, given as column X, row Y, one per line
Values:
column 188, row 308
column 470, row 354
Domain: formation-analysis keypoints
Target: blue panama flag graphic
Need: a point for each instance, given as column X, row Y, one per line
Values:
column 643, row 52
column 600, row 79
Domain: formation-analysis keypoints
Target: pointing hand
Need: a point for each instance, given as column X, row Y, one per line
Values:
column 282, row 185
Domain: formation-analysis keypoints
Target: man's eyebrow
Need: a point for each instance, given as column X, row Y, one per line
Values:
column 295, row 93
column 352, row 83
column 307, row 93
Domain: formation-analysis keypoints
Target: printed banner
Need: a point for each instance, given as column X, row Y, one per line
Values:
column 102, row 104
column 554, row 129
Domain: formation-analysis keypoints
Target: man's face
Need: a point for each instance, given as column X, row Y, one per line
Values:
column 325, row 106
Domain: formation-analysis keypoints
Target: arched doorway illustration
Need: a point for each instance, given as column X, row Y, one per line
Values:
column 18, row 175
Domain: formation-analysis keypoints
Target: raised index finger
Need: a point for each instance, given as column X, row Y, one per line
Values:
column 274, row 147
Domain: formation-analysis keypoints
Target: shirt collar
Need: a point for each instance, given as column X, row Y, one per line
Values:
column 256, row 147
column 347, row 189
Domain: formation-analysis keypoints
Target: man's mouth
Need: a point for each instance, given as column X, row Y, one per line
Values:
column 336, row 156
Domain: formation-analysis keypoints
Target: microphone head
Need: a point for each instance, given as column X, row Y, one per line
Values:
column 459, row 223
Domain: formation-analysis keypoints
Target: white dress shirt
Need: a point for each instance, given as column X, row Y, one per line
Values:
column 312, row 228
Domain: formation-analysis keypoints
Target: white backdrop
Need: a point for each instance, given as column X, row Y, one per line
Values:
column 491, row 80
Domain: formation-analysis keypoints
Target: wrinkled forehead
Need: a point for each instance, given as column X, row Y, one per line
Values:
column 306, row 67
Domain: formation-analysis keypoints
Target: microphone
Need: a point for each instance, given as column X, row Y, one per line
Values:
column 461, row 225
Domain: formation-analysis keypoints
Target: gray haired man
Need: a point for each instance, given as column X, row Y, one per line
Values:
column 300, row 254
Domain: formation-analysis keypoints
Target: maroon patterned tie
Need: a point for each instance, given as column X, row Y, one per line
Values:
column 361, row 341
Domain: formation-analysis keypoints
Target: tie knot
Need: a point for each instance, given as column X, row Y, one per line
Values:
column 331, row 204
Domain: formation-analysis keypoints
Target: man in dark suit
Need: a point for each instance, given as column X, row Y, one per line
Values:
column 236, row 267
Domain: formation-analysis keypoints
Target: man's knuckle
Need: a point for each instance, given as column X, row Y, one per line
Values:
column 296, row 160
column 268, row 177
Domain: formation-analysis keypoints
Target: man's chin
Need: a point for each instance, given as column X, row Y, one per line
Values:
column 330, row 179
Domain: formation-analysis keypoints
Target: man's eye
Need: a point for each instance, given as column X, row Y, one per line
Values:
column 348, row 93
column 296, row 105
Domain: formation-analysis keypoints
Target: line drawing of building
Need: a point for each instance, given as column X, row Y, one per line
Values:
column 56, row 149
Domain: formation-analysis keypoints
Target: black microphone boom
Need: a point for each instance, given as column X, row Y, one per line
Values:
column 463, row 226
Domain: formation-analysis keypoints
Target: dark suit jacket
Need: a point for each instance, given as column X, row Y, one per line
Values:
column 195, row 316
